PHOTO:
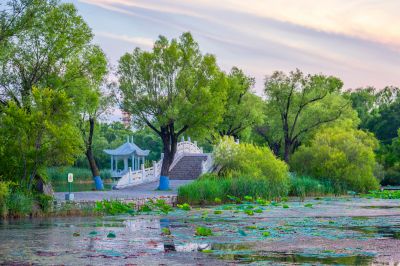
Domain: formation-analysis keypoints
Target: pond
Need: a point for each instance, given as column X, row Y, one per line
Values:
column 323, row 232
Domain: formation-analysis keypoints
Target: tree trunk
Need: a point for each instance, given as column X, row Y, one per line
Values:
column 89, row 151
column 170, row 143
column 287, row 151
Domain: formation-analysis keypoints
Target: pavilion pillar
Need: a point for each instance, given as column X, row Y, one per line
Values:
column 126, row 164
column 111, row 165
column 133, row 163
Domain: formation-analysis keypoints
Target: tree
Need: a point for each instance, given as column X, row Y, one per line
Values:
column 173, row 89
column 363, row 100
column 298, row 104
column 243, row 109
column 345, row 156
column 39, row 54
column 83, row 81
column 29, row 141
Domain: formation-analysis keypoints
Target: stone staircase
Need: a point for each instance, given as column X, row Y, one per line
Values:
column 190, row 166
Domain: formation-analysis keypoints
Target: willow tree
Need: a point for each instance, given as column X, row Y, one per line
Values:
column 299, row 104
column 243, row 109
column 172, row 89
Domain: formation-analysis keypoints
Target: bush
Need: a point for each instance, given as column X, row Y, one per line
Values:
column 19, row 204
column 345, row 157
column 205, row 189
column 253, row 162
column 45, row 202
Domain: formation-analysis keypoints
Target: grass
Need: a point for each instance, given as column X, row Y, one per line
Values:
column 304, row 186
column 206, row 190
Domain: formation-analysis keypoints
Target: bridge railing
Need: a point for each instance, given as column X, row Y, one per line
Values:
column 151, row 174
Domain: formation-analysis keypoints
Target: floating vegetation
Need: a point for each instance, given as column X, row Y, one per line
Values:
column 166, row 231
column 266, row 234
column 217, row 200
column 111, row 235
column 249, row 212
column 385, row 194
column 203, row 231
column 308, row 205
column 248, row 198
column 217, row 212
column 114, row 207
column 285, row 206
column 259, row 210
column 76, row 234
column 184, row 206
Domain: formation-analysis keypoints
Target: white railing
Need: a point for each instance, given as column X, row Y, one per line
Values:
column 151, row 174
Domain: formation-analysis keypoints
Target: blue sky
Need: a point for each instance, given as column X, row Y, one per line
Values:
column 356, row 40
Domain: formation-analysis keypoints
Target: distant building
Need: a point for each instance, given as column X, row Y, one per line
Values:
column 126, row 119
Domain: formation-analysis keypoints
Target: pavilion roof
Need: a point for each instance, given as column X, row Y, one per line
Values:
column 128, row 148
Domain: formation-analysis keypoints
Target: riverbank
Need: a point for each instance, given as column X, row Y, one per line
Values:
column 144, row 191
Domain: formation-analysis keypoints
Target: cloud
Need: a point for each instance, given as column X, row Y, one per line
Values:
column 354, row 39
column 138, row 41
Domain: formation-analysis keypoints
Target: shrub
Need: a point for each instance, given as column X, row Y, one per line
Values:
column 19, row 204
column 343, row 156
column 45, row 202
column 253, row 162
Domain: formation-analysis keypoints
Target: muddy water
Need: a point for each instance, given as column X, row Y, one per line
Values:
column 328, row 232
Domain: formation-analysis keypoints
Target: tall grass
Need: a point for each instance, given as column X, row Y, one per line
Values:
column 305, row 186
column 59, row 174
column 208, row 187
column 205, row 189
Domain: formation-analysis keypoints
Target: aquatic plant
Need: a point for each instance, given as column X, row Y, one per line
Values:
column 266, row 234
column 217, row 200
column 385, row 194
column 308, row 205
column 285, row 206
column 203, row 231
column 114, row 207
column 217, row 212
column 166, row 231
column 184, row 206
column 258, row 210
column 111, row 235
column 249, row 212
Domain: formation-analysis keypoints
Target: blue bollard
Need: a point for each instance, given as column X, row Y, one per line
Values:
column 98, row 183
column 164, row 183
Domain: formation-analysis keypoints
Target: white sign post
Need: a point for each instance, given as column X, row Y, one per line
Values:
column 70, row 196
column 70, row 177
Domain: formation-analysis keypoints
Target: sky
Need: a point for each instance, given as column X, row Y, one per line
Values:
column 355, row 40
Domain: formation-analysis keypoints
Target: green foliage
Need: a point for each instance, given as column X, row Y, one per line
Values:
column 298, row 105
column 243, row 109
column 42, row 136
column 344, row 156
column 203, row 231
column 266, row 234
column 114, row 207
column 257, row 163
